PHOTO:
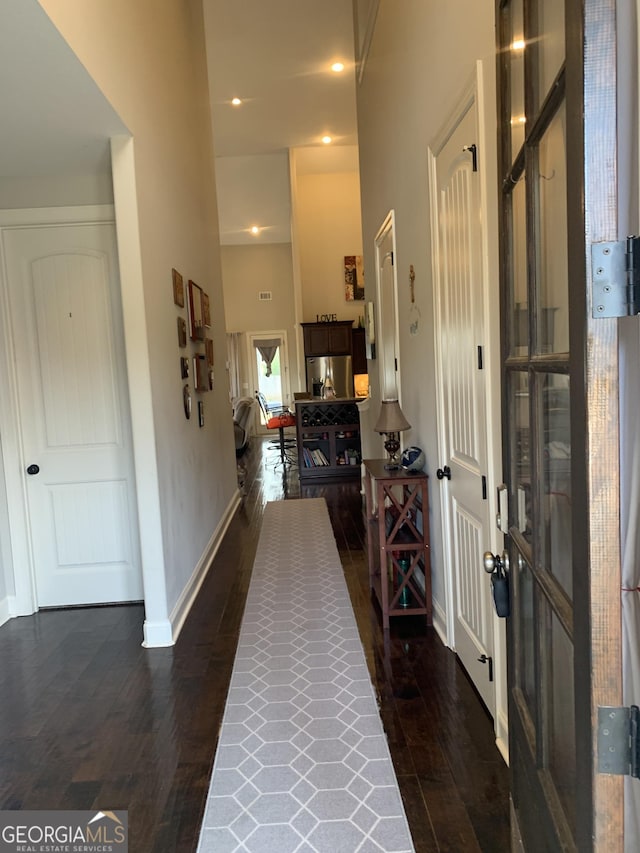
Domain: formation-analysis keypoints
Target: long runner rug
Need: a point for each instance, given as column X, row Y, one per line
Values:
column 302, row 765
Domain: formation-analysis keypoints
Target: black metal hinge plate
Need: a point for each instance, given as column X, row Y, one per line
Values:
column 618, row 746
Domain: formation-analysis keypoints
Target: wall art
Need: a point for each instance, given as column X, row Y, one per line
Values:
column 182, row 332
column 196, row 325
column 178, row 288
column 353, row 278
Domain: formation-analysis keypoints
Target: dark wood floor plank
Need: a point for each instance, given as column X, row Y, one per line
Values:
column 90, row 719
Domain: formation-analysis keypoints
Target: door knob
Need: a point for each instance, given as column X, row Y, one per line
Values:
column 492, row 562
column 33, row 469
column 441, row 473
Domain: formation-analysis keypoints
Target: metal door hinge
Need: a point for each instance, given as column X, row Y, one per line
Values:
column 615, row 283
column 618, row 746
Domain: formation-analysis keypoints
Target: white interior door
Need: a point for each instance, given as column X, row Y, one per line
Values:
column 463, row 390
column 66, row 319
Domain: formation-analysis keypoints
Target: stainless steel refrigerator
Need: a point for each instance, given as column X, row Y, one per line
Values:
column 337, row 368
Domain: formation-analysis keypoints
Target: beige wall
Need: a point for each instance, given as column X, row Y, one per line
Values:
column 247, row 270
column 148, row 59
column 328, row 229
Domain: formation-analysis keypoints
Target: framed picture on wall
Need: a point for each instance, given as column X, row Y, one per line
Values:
column 353, row 278
column 178, row 288
column 206, row 315
column 196, row 325
column 182, row 332
column 208, row 351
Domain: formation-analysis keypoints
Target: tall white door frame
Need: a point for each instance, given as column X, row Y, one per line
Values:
column 481, row 90
column 387, row 326
column 285, row 379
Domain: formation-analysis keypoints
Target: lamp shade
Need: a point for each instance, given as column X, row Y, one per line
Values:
column 391, row 418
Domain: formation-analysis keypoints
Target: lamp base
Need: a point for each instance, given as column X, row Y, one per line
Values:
column 392, row 446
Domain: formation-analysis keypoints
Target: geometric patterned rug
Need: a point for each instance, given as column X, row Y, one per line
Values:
column 302, row 764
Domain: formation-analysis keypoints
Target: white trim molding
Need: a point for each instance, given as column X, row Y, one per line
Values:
column 192, row 588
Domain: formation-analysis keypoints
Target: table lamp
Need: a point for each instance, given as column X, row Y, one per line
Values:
column 390, row 422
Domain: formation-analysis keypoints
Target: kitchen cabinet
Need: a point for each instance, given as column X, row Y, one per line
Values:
column 358, row 351
column 328, row 439
column 327, row 338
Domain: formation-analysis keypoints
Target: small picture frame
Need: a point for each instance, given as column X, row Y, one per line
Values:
column 200, row 413
column 186, row 401
column 184, row 367
column 206, row 313
column 200, row 377
column 208, row 350
column 178, row 288
column 353, row 278
column 182, row 332
column 196, row 325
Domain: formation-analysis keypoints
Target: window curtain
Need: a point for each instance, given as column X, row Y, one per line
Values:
column 233, row 357
column 267, row 349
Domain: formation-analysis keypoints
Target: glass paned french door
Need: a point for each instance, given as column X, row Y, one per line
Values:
column 535, row 285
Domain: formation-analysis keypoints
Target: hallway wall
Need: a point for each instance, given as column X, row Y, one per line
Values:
column 152, row 69
column 422, row 56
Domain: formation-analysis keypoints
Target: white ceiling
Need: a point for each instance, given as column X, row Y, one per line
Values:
column 276, row 55
column 55, row 121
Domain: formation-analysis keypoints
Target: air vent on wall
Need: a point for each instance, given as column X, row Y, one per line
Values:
column 264, row 295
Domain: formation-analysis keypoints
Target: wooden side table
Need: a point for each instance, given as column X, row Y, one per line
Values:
column 398, row 540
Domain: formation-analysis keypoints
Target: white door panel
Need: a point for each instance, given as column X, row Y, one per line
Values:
column 461, row 332
column 66, row 319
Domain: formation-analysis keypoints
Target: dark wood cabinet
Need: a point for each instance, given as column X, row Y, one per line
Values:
column 397, row 512
column 327, row 338
column 328, row 438
column 358, row 351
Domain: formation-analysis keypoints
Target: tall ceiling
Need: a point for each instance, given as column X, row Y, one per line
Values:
column 276, row 56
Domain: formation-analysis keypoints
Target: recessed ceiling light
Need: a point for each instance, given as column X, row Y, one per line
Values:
column 236, row 102
column 254, row 229
column 337, row 67
column 326, row 139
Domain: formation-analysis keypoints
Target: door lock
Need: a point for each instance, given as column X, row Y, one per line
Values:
column 441, row 473
column 497, row 567
column 33, row 469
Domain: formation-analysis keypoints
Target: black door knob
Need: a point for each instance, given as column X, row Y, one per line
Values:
column 33, row 469
column 441, row 473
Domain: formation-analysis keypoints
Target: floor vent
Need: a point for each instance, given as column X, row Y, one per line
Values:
column 264, row 296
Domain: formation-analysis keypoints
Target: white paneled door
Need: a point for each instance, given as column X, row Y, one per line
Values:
column 66, row 319
column 464, row 390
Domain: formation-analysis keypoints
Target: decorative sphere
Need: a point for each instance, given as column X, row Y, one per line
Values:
column 413, row 459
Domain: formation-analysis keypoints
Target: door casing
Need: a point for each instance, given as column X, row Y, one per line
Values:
column 481, row 89
column 24, row 599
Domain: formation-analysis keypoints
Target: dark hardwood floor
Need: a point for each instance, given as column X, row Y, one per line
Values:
column 89, row 719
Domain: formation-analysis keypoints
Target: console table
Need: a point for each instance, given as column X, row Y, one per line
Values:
column 398, row 540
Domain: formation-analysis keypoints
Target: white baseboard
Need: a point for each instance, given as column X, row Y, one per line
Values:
column 157, row 634
column 7, row 609
column 502, row 735
column 189, row 593
column 440, row 622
